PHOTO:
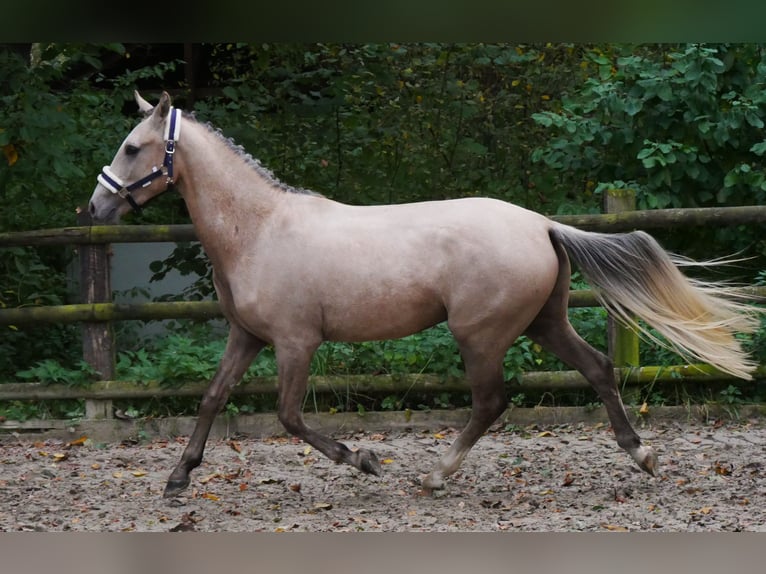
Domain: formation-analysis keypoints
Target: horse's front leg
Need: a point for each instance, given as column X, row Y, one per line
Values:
column 293, row 362
column 241, row 349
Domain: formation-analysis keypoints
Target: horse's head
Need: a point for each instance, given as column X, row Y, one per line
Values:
column 143, row 166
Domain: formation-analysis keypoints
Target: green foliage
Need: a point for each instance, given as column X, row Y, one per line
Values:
column 388, row 123
column 56, row 131
column 27, row 281
column 681, row 125
column 51, row 371
column 187, row 258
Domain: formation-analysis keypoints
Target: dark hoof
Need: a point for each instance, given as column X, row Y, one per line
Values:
column 175, row 487
column 367, row 462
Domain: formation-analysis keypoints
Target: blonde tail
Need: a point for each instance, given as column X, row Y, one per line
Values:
column 632, row 275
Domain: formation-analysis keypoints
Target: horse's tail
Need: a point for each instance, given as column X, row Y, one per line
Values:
column 631, row 274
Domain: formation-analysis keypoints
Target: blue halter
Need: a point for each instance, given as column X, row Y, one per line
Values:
column 113, row 183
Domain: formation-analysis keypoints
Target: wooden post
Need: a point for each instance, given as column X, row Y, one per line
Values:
column 97, row 337
column 622, row 341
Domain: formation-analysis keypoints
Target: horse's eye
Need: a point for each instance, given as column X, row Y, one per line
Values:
column 131, row 149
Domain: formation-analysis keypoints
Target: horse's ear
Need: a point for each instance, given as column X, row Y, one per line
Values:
column 145, row 107
column 163, row 108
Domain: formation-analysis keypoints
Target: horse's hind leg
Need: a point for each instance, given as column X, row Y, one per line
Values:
column 552, row 330
column 488, row 402
column 293, row 364
column 565, row 343
column 241, row 349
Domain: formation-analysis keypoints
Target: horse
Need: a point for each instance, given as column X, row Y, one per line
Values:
column 293, row 268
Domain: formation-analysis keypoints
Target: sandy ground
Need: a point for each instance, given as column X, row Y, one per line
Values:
column 538, row 478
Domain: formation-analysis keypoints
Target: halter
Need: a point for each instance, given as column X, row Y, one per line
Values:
column 110, row 181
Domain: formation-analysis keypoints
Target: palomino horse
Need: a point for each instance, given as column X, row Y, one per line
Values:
column 293, row 268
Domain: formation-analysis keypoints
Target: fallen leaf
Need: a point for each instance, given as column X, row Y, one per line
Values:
column 79, row 442
column 568, row 479
column 378, row 436
column 212, row 497
column 59, row 456
column 644, row 410
column 307, row 450
column 545, row 434
column 387, row 461
column 209, row 477
column 117, row 474
column 323, row 506
column 138, row 473
column 235, row 446
column 721, row 469
column 438, row 435
column 705, row 510
column 270, row 481
column 243, row 486
column 295, row 487
column 615, row 528
column 95, row 466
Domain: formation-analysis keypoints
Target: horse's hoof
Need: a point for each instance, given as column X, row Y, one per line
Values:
column 175, row 487
column 432, row 483
column 650, row 463
column 646, row 459
column 367, row 462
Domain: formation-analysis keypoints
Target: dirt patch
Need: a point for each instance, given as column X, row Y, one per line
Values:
column 537, row 478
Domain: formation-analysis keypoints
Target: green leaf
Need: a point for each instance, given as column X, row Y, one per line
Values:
column 644, row 153
column 544, row 119
column 649, row 162
column 230, row 92
column 633, row 106
column 754, row 120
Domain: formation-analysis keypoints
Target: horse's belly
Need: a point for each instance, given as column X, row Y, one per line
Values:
column 377, row 316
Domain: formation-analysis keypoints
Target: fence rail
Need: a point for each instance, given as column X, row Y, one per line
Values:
column 97, row 313
column 381, row 385
column 605, row 222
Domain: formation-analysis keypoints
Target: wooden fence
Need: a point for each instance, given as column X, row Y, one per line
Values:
column 97, row 312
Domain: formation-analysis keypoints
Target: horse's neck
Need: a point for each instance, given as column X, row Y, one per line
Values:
column 227, row 198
